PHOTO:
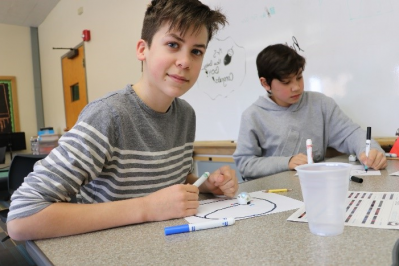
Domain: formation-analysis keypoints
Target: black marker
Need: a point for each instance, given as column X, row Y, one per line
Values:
column 356, row 179
column 368, row 144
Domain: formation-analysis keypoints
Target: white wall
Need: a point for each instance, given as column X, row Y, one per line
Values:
column 111, row 62
column 16, row 60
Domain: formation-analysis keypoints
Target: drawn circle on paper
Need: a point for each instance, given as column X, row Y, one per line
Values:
column 227, row 207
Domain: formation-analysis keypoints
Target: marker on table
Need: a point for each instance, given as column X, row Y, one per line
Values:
column 368, row 144
column 356, row 179
column 201, row 179
column 199, row 226
column 391, row 155
column 309, row 150
column 277, row 190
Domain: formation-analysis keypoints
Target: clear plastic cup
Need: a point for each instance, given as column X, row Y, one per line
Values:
column 324, row 190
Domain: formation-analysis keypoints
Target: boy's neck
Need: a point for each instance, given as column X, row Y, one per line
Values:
column 157, row 104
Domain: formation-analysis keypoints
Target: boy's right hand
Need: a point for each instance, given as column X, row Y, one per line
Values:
column 296, row 160
column 176, row 201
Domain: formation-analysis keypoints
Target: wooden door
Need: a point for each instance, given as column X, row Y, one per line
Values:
column 74, row 85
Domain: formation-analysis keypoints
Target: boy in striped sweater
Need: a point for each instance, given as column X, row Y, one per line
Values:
column 130, row 153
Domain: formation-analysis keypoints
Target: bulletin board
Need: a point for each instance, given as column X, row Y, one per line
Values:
column 9, row 118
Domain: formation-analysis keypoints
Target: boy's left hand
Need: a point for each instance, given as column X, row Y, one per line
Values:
column 375, row 160
column 221, row 182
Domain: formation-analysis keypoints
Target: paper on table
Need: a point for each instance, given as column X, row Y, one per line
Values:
column 261, row 204
column 365, row 209
column 396, row 173
column 359, row 170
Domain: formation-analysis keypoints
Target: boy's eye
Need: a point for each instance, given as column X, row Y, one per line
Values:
column 299, row 77
column 173, row 45
column 197, row 52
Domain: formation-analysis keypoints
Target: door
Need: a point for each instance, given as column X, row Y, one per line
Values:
column 74, row 85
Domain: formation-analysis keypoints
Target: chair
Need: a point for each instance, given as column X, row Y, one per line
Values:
column 3, row 177
column 3, row 154
column 395, row 254
column 21, row 165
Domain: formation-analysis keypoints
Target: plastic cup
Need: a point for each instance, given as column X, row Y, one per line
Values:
column 324, row 190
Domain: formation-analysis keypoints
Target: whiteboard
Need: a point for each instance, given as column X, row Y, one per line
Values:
column 351, row 49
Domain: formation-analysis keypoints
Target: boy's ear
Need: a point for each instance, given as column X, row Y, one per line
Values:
column 140, row 49
column 264, row 83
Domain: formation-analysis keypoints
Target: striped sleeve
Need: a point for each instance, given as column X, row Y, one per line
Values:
column 104, row 158
column 76, row 161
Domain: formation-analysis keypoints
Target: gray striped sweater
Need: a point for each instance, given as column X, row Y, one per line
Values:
column 119, row 148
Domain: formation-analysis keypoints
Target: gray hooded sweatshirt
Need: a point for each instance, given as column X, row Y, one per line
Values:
column 271, row 134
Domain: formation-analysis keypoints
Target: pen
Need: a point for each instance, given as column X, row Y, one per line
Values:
column 199, row 226
column 309, row 151
column 391, row 155
column 368, row 144
column 277, row 190
column 356, row 179
column 201, row 179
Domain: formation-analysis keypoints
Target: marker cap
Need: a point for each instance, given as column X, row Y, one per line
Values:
column 368, row 133
column 356, row 179
column 177, row 229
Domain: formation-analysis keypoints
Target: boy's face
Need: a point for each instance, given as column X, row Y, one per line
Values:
column 173, row 63
column 286, row 92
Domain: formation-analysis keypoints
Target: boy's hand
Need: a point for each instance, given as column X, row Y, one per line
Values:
column 296, row 160
column 375, row 160
column 172, row 202
column 221, row 182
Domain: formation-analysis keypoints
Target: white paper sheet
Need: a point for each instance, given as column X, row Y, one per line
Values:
column 358, row 170
column 366, row 209
column 262, row 204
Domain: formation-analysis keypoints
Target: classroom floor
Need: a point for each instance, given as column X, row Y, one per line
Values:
column 13, row 253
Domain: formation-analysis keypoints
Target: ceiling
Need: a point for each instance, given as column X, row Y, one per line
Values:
column 28, row 13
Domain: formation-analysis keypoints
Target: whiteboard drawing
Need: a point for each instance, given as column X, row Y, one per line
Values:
column 223, row 69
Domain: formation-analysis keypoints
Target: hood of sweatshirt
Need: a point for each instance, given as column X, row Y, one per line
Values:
column 268, row 104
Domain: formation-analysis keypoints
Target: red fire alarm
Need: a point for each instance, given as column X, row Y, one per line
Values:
column 86, row 35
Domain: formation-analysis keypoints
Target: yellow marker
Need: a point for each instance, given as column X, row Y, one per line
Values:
column 277, row 190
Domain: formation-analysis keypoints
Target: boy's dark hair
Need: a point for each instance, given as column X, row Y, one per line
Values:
column 279, row 61
column 181, row 14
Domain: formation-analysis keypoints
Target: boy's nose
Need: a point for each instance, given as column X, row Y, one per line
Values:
column 183, row 62
column 295, row 86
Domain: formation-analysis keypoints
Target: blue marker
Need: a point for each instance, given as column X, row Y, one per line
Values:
column 368, row 144
column 200, row 226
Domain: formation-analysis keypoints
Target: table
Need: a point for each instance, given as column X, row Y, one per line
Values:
column 265, row 240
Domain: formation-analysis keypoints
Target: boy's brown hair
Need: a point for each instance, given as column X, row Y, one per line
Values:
column 279, row 61
column 181, row 14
